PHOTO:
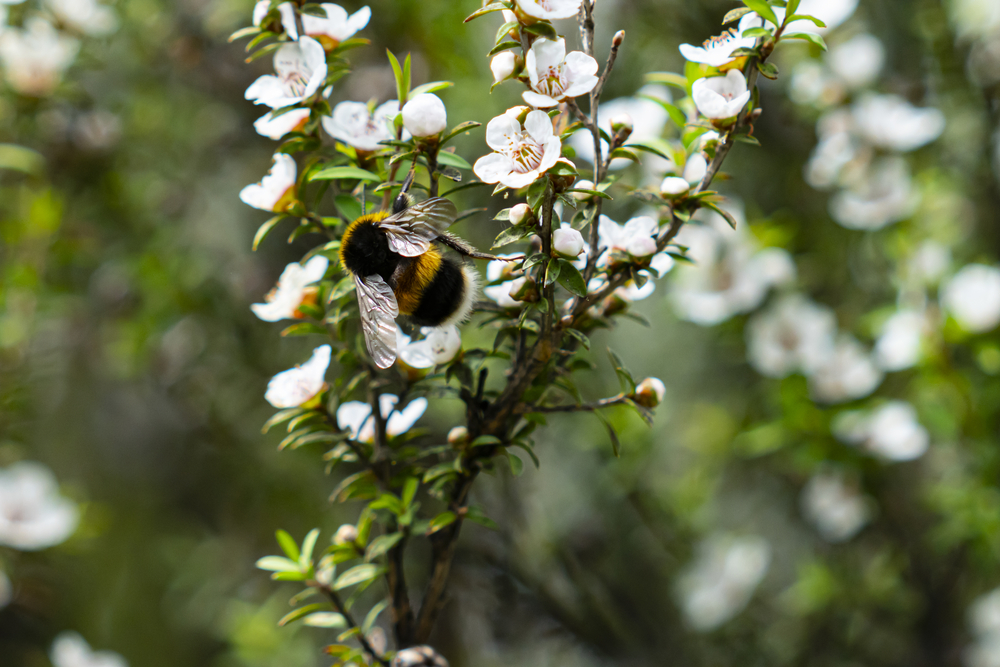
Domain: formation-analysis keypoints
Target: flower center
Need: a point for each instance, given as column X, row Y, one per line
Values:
column 296, row 82
column 553, row 82
column 720, row 41
column 526, row 154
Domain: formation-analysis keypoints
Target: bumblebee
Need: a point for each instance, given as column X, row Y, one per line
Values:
column 398, row 269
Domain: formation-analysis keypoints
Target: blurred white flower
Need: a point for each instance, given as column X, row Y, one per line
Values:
column 794, row 335
column 71, row 650
column 86, row 16
column 556, row 75
column 503, row 66
column 277, row 189
column 830, row 12
column 549, row 9
column 424, row 656
column 648, row 121
column 425, row 115
column 495, row 270
column 884, row 196
column 721, row 582
column 674, row 186
column 889, row 121
column 439, row 346
column 332, row 30
column 972, row 297
column 721, row 97
column 35, row 58
column 293, row 289
column 717, row 51
column 846, row 374
column 521, row 155
column 356, row 125
column 829, row 159
column 292, row 388
column 984, row 614
column 834, row 507
column 930, row 262
column 891, row 431
column 567, row 241
column 695, row 168
column 32, row 513
column 300, row 70
column 6, row 588
column 636, row 238
column 276, row 127
column 858, row 61
column 900, row 340
column 355, row 417
column 811, row 83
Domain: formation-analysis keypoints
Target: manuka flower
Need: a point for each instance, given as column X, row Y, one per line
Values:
column 721, row 97
column 86, row 16
column 355, row 417
column 277, row 126
column 972, row 297
column 883, row 196
column 300, row 70
column 35, row 58
column 794, row 335
column 71, row 650
column 439, row 346
column 636, row 238
column 336, row 26
column 556, row 75
column 847, row 373
column 834, row 506
column 891, row 431
column 549, row 9
column 356, row 125
column 292, row 388
column 32, row 513
column 276, row 191
column 292, row 291
column 717, row 51
column 889, row 121
column 522, row 154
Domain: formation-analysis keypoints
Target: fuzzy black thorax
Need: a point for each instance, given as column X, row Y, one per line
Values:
column 364, row 248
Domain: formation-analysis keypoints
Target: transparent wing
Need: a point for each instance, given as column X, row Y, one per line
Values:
column 412, row 230
column 378, row 318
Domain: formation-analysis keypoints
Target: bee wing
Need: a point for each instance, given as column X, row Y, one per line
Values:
column 378, row 318
column 412, row 230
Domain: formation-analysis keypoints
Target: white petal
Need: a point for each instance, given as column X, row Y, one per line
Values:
column 547, row 54
column 502, row 131
column 538, row 100
column 539, row 126
column 491, row 168
column 401, row 422
column 351, row 416
column 553, row 149
column 582, row 85
column 516, row 181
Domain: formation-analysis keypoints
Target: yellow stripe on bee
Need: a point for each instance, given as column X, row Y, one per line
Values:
column 415, row 279
column 369, row 219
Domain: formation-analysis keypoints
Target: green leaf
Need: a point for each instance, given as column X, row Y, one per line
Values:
column 325, row 619
column 504, row 30
column 281, row 417
column 571, row 278
column 768, row 70
column 410, row 490
column 459, row 129
column 552, row 271
column 791, row 8
column 402, row 80
column 277, row 564
column 300, row 612
column 441, row 521
column 592, row 193
column 542, row 29
column 492, row 7
column 669, row 78
column 348, row 206
column 763, row 10
column 303, row 329
column 485, row 440
column 512, row 235
column 476, row 515
column 527, row 448
column 308, row 545
column 289, row 576
column 806, row 17
column 288, row 545
column 647, row 146
column 19, row 158
column 721, row 211
column 628, row 384
column 756, row 32
column 516, row 464
column 345, row 173
column 265, row 229
column 357, row 575
column 616, row 445
column 452, row 160
column 381, row 545
column 372, row 616
column 735, row 14
column 580, row 336
column 243, row 32
column 676, row 115
column 810, row 37
column 431, row 87
column 503, row 46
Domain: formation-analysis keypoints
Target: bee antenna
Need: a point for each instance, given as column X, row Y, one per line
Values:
column 364, row 204
column 408, row 181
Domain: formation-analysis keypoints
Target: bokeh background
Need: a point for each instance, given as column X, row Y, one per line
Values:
column 743, row 527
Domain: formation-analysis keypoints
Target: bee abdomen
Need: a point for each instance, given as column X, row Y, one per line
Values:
column 448, row 297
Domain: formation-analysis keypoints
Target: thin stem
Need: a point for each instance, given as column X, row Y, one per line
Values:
column 334, row 599
column 580, row 407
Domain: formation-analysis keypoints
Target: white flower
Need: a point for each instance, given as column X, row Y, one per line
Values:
column 884, row 196
column 495, row 270
column 425, row 115
column 830, row 12
column 674, row 186
column 721, row 97
column 811, row 83
column 648, row 121
column 567, row 241
column 830, row 158
column 899, row 341
column 890, row 431
column 522, row 155
column 972, row 297
column 71, row 650
column 277, row 189
column 292, row 388
column 836, row 508
column 276, row 127
column 555, row 76
column 86, row 16
column 300, row 70
column 717, row 51
column 356, row 125
column 34, row 59
column 439, row 346
column 635, row 238
column 930, row 262
column 283, row 301
column 332, row 30
column 32, row 513
column 695, row 168
column 420, row 656
column 984, row 614
column 549, row 9
column 719, row 584
column 858, row 61
column 794, row 335
column 889, row 121
column 355, row 417
column 503, row 66
column 847, row 373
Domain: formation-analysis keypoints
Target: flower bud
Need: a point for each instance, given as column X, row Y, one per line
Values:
column 567, row 242
column 649, row 393
column 425, row 115
column 621, row 127
column 674, row 186
column 583, row 196
column 346, row 534
column 419, row 656
column 524, row 289
column 521, row 214
column 503, row 66
column 709, row 140
column 641, row 246
column 562, row 179
column 458, row 436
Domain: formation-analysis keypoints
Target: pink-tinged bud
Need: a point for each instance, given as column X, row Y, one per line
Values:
column 458, row 436
column 521, row 214
column 503, row 66
column 674, row 186
column 621, row 123
column 567, row 242
column 524, row 289
column 346, row 534
column 425, row 115
column 649, row 393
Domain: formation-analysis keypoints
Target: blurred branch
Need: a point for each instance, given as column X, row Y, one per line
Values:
column 334, row 599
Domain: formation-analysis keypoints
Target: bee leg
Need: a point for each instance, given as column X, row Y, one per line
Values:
column 464, row 248
column 403, row 200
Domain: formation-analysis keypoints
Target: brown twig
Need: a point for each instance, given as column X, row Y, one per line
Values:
column 334, row 599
